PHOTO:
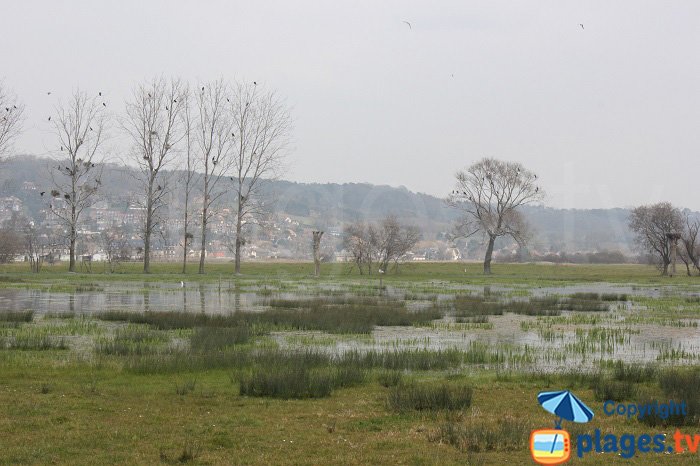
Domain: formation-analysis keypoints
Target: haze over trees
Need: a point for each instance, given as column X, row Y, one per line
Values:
column 489, row 194
column 79, row 127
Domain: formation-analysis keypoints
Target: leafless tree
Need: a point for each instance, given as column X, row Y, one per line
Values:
column 79, row 126
column 215, row 137
column 12, row 112
column 189, row 176
column 488, row 194
column 651, row 225
column 36, row 246
column 381, row 244
column 11, row 244
column 262, row 127
column 357, row 241
column 155, row 126
column 115, row 245
column 394, row 241
column 689, row 250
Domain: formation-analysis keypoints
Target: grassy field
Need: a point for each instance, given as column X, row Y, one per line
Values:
column 168, row 387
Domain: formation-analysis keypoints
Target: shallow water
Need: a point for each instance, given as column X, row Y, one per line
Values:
column 548, row 344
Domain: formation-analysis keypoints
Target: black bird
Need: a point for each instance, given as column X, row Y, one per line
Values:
column 247, row 103
column 104, row 104
column 166, row 108
column 149, row 95
column 49, row 118
column 227, row 100
column 233, row 135
column 100, row 94
column 581, row 26
column 7, row 109
column 159, row 188
column 202, row 88
column 255, row 83
column 67, row 196
column 175, row 100
column 42, row 193
column 91, row 128
column 93, row 165
column 231, row 178
column 14, row 106
column 48, row 93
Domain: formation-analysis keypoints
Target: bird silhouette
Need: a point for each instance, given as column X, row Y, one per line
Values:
column 233, row 135
column 100, row 94
column 175, row 100
column 227, row 100
column 91, row 128
column 166, row 108
column 49, row 118
column 408, row 24
column 581, row 26
column 67, row 196
column 202, row 88
column 7, row 109
column 48, row 93
column 104, row 104
column 42, row 193
column 255, row 83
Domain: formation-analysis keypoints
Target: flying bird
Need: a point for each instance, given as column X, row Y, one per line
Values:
column 408, row 24
column 42, row 193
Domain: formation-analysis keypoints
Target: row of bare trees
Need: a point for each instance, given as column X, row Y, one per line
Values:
column 225, row 137
column 381, row 244
column 661, row 227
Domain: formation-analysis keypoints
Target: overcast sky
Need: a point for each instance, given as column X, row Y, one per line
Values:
column 607, row 115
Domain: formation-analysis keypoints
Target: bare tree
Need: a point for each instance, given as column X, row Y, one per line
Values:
column 215, row 135
column 36, row 246
column 115, row 245
column 262, row 126
column 189, row 177
column 79, row 126
column 652, row 224
column 316, row 246
column 387, row 242
column 357, row 240
column 12, row 112
column 11, row 244
column 489, row 194
column 394, row 241
column 690, row 249
column 155, row 126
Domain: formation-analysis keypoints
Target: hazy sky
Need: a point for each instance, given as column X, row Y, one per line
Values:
column 607, row 115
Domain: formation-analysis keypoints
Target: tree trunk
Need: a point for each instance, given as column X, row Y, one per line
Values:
column 489, row 253
column 238, row 245
column 184, row 252
column 317, row 252
column 203, row 250
column 71, row 251
column 664, row 270
column 147, row 240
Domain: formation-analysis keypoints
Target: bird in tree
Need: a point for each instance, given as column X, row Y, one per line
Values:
column 489, row 195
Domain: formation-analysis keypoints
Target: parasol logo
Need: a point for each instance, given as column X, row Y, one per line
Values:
column 553, row 446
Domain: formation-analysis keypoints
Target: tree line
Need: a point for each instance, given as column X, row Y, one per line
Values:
column 225, row 136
